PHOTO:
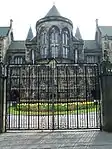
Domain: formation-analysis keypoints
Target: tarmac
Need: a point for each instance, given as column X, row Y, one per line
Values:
column 79, row 139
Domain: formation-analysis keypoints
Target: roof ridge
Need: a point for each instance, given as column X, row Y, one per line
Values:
column 17, row 40
column 105, row 26
column 4, row 26
column 89, row 40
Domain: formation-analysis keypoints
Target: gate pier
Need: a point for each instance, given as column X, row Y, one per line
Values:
column 106, row 90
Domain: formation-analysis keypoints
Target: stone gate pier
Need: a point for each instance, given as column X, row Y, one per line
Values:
column 106, row 97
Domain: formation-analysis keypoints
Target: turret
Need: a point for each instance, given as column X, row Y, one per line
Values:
column 78, row 34
column 29, row 35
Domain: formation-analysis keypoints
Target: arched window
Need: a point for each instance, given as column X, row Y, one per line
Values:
column 54, row 38
column 18, row 60
column 65, row 42
column 43, row 43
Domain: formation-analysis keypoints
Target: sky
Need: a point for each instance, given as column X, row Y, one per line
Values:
column 82, row 13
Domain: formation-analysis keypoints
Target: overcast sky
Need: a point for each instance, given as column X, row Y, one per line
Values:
column 83, row 13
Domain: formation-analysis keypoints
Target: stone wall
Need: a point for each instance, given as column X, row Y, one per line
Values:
column 107, row 48
column 1, row 99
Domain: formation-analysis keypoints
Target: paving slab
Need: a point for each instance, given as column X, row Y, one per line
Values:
column 80, row 139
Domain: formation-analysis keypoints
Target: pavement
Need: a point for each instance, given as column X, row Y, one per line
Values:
column 80, row 139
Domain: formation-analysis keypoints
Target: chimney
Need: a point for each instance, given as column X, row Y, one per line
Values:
column 11, row 23
column 96, row 22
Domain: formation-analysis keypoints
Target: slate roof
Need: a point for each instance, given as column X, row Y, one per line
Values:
column 4, row 31
column 106, row 30
column 53, row 12
column 78, row 34
column 90, row 44
column 30, row 34
column 17, row 45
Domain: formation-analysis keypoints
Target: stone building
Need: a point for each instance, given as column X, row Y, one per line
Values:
column 54, row 39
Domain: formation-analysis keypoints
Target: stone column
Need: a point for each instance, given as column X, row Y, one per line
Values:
column 106, row 89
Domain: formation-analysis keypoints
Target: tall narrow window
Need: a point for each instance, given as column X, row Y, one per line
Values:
column 54, row 41
column 76, row 56
column 66, row 38
column 63, row 38
column 54, row 51
column 33, row 56
column 43, row 43
column 44, row 38
column 56, row 37
column 44, row 52
column 65, row 42
column 65, row 52
column 53, row 37
column 18, row 60
column 91, row 59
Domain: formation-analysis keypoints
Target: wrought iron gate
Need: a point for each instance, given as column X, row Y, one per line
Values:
column 53, row 96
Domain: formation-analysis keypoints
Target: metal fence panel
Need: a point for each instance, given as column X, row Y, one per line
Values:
column 53, row 96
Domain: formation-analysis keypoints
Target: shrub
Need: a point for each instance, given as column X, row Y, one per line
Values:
column 45, row 107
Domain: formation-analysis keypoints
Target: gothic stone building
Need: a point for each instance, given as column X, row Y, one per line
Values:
column 54, row 39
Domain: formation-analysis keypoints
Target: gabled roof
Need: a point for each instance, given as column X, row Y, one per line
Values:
column 4, row 31
column 30, row 34
column 106, row 30
column 53, row 12
column 90, row 44
column 17, row 45
column 78, row 34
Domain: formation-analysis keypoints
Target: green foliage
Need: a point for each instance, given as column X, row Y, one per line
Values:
column 60, row 107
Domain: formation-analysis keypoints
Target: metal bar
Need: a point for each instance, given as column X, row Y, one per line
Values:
column 48, row 96
column 52, row 97
column 74, row 89
column 77, row 99
column 27, row 90
column 67, row 74
column 9, row 68
column 86, row 94
column 6, row 114
column 95, row 100
column 58, row 96
column 19, row 98
column 29, row 98
column 38, row 69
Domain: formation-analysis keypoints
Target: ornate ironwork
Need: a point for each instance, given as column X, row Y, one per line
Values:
column 53, row 96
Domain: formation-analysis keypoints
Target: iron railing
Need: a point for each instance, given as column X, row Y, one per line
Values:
column 53, row 96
